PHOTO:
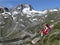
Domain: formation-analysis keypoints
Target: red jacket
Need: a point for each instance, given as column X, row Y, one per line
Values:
column 45, row 31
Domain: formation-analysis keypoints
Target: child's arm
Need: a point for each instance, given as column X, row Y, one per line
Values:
column 51, row 26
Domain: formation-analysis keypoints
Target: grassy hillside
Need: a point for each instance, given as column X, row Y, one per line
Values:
column 53, row 38
column 57, row 26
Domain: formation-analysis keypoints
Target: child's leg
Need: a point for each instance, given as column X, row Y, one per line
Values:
column 41, row 33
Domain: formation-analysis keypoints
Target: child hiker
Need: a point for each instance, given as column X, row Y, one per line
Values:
column 46, row 30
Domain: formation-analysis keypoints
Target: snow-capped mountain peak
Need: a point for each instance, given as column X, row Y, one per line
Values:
column 52, row 10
